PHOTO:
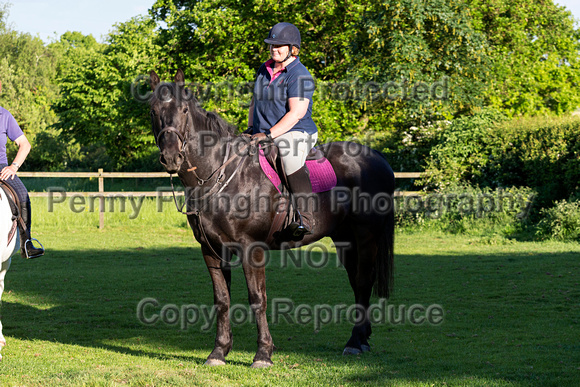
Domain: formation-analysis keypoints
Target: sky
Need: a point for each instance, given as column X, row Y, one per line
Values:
column 50, row 19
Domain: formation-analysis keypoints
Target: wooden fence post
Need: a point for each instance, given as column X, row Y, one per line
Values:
column 101, row 200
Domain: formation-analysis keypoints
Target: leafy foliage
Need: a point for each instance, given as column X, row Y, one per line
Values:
column 462, row 151
column 560, row 222
column 356, row 51
column 415, row 41
column 541, row 153
column 98, row 107
column 27, row 71
column 212, row 39
column 464, row 209
column 534, row 51
column 390, row 74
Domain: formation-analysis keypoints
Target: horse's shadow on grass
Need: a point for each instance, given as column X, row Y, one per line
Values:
column 90, row 298
column 54, row 325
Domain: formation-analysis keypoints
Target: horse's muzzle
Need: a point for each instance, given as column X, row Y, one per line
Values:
column 173, row 162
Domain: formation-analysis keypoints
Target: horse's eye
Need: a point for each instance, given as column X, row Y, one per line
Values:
column 185, row 111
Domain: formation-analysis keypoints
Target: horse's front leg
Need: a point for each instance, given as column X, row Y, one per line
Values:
column 3, row 269
column 255, row 273
column 221, row 278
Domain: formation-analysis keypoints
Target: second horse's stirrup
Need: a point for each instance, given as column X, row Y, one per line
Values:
column 39, row 251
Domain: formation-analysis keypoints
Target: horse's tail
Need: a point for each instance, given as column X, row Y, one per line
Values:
column 385, row 262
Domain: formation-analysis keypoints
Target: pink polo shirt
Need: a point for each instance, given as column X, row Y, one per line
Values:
column 270, row 67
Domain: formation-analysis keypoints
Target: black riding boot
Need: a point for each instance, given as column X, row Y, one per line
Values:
column 301, row 189
column 27, row 248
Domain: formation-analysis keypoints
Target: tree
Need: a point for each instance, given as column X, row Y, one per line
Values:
column 97, row 107
column 416, row 41
column 27, row 71
column 535, row 52
column 385, row 70
column 359, row 44
column 225, row 38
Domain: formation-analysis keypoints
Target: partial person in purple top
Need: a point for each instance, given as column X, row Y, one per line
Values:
column 9, row 129
column 281, row 111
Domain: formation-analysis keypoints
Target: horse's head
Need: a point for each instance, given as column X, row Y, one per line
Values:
column 170, row 119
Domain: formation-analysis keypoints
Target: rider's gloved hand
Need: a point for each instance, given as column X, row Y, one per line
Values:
column 248, row 132
column 261, row 137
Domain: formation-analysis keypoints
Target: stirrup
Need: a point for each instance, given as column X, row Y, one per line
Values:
column 299, row 233
column 26, row 250
column 297, row 229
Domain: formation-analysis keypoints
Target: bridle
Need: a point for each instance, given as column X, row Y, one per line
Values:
column 173, row 130
column 218, row 173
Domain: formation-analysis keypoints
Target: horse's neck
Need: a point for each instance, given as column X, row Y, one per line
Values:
column 205, row 159
column 208, row 148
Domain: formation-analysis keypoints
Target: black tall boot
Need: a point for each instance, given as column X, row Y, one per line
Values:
column 27, row 248
column 301, row 190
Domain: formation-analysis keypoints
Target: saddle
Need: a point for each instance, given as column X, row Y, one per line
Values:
column 322, row 175
column 14, row 203
column 322, row 178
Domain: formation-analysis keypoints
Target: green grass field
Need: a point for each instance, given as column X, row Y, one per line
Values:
column 512, row 312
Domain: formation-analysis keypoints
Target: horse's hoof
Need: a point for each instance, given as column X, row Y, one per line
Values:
column 365, row 348
column 262, row 364
column 351, row 351
column 214, row 362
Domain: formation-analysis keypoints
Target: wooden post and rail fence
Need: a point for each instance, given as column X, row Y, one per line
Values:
column 102, row 194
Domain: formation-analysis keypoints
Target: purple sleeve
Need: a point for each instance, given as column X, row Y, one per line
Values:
column 13, row 131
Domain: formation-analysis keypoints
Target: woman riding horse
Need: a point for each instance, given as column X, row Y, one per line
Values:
column 281, row 109
column 9, row 129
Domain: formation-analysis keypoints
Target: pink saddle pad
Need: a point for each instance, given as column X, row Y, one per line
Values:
column 322, row 176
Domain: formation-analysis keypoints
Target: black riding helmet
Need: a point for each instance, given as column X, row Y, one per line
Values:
column 284, row 34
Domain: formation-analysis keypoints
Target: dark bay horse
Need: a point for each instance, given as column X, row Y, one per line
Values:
column 208, row 155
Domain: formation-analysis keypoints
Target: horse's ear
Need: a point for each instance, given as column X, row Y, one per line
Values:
column 153, row 79
column 180, row 77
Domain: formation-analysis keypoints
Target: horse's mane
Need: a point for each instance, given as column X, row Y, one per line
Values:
column 213, row 121
column 210, row 121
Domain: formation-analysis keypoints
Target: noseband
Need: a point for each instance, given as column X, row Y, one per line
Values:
column 171, row 129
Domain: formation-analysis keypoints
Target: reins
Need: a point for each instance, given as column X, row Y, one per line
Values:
column 219, row 185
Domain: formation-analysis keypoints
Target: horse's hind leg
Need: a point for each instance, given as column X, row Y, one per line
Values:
column 221, row 279
column 359, row 262
column 3, row 270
